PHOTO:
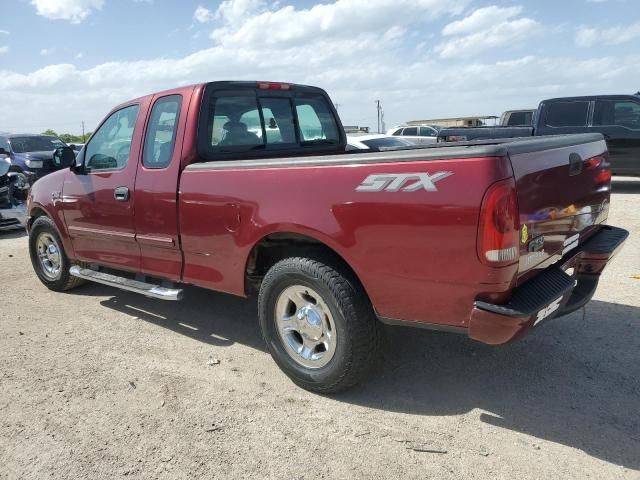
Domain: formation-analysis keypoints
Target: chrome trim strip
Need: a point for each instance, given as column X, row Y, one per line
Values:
column 426, row 326
column 152, row 239
column 97, row 231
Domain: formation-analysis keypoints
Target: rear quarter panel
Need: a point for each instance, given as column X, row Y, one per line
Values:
column 414, row 252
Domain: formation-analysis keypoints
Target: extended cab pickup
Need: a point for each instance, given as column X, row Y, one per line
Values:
column 245, row 187
column 616, row 117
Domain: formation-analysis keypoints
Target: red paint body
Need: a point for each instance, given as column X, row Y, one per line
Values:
column 414, row 252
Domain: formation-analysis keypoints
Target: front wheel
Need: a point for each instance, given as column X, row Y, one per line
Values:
column 318, row 324
column 48, row 258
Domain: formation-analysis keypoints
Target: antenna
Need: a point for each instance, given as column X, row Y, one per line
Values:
column 379, row 109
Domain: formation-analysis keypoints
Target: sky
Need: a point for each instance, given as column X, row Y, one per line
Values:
column 64, row 62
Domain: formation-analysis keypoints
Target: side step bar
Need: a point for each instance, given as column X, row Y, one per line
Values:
column 143, row 288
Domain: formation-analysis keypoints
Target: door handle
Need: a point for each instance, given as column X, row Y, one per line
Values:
column 121, row 194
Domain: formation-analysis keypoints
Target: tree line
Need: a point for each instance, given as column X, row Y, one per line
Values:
column 67, row 137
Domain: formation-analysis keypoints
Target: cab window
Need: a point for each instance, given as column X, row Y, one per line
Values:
column 161, row 132
column 567, row 114
column 410, row 132
column 110, row 145
column 622, row 113
column 316, row 120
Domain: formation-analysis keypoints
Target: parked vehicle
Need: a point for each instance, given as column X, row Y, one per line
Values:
column 424, row 134
column 76, row 147
column 376, row 142
column 617, row 117
column 517, row 118
column 31, row 155
column 12, row 193
column 488, row 240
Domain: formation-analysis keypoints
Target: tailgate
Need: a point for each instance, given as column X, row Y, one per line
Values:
column 563, row 186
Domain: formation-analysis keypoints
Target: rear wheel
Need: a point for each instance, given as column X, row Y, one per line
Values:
column 48, row 258
column 318, row 324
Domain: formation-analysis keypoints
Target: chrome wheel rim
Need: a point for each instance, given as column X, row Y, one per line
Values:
column 306, row 326
column 49, row 256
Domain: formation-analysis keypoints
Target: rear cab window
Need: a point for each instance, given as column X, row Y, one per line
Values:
column 240, row 120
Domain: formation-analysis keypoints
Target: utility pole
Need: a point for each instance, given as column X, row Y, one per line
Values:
column 337, row 105
column 83, row 140
column 379, row 109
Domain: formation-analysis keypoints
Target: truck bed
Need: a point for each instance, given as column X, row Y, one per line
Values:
column 414, row 251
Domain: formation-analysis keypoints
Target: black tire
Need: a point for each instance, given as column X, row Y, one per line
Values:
column 62, row 281
column 357, row 331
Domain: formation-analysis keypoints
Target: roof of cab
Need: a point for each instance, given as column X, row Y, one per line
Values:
column 220, row 84
column 593, row 97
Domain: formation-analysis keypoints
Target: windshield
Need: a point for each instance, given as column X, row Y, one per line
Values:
column 35, row 144
column 386, row 142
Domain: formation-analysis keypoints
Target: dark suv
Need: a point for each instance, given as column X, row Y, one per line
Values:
column 30, row 154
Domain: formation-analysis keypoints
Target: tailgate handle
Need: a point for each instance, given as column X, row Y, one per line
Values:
column 575, row 164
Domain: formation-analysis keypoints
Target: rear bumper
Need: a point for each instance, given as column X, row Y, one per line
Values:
column 551, row 294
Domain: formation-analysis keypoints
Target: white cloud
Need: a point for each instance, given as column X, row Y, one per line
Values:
column 252, row 23
column 203, row 15
column 75, row 11
column 485, row 29
column 4, row 32
column 590, row 36
column 356, row 54
column 4, row 49
column 481, row 19
column 44, row 52
column 79, row 55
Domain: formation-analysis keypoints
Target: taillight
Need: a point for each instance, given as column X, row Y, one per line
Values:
column 499, row 226
column 273, row 86
column 593, row 162
column 456, row 138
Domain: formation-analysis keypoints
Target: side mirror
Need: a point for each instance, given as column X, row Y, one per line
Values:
column 63, row 157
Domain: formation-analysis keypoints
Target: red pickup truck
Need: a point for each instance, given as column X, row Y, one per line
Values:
column 246, row 187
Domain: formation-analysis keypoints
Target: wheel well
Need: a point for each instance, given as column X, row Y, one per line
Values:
column 35, row 213
column 277, row 246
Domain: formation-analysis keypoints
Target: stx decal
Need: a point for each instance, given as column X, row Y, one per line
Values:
column 402, row 182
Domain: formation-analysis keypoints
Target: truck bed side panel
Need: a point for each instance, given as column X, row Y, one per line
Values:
column 414, row 251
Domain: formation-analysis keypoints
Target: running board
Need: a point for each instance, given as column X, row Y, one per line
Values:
column 143, row 288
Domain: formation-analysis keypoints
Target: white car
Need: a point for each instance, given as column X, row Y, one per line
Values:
column 376, row 142
column 76, row 147
column 418, row 135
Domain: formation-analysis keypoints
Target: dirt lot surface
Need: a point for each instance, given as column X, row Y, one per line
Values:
column 99, row 383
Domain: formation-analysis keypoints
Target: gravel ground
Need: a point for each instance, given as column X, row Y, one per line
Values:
column 99, row 383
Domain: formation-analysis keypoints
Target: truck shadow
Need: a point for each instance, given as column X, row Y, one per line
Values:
column 572, row 382
column 210, row 317
column 575, row 382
